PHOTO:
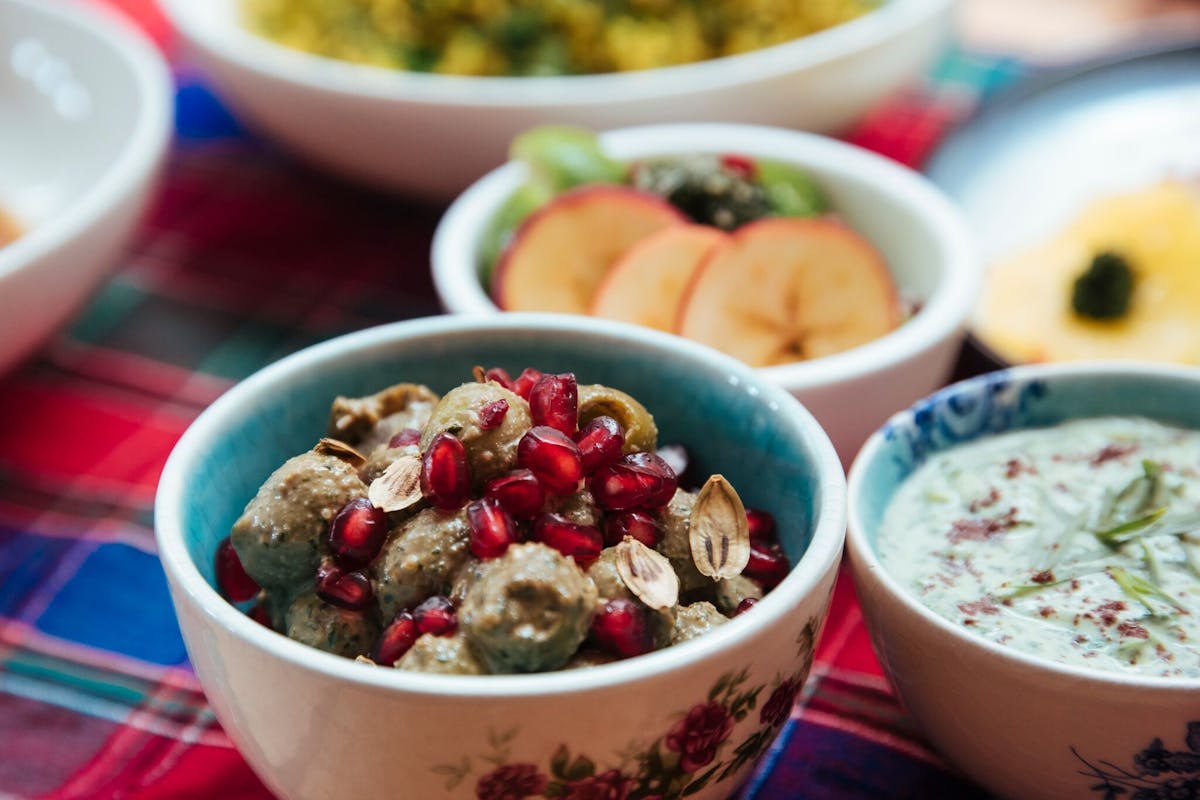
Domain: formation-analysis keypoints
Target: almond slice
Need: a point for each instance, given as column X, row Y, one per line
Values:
column 399, row 486
column 718, row 531
column 339, row 449
column 647, row 573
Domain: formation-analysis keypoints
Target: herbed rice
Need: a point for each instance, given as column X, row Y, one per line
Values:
column 540, row 37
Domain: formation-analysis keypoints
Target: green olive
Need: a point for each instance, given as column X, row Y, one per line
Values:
column 641, row 434
column 490, row 451
column 278, row 537
column 529, row 611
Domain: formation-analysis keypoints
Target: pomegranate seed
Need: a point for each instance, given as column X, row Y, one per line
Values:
column 637, row 524
column 338, row 587
column 622, row 627
column 492, row 414
column 744, row 606
column 436, row 615
column 676, row 455
column 581, row 542
column 259, row 614
column 554, row 401
column 740, row 165
column 499, row 375
column 396, row 639
column 525, row 381
column 492, row 529
column 357, row 533
column 552, row 457
column 445, row 478
column 762, row 526
column 405, row 437
column 518, row 492
column 232, row 580
column 767, row 565
column 638, row 480
column 600, row 443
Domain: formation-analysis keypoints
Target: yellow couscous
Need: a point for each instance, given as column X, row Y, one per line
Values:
column 540, row 37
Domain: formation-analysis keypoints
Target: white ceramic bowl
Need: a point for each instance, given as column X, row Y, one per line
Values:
column 314, row 725
column 920, row 234
column 1023, row 726
column 85, row 106
column 434, row 134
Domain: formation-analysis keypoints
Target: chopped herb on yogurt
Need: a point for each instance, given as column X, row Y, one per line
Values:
column 1078, row 543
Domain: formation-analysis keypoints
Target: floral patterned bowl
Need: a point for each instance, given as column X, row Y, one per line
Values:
column 1023, row 726
column 689, row 720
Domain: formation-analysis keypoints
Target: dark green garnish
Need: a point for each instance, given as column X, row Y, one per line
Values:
column 1104, row 290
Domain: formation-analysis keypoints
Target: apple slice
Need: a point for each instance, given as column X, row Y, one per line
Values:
column 646, row 284
column 562, row 251
column 788, row 289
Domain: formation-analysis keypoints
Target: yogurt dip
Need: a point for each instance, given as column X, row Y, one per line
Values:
column 1078, row 543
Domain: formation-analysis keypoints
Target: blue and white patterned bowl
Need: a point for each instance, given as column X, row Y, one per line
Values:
column 1022, row 726
column 317, row 726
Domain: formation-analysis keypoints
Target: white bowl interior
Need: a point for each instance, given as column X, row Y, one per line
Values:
column 69, row 104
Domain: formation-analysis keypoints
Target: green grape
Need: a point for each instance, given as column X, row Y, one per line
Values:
column 561, row 158
column 500, row 230
column 791, row 192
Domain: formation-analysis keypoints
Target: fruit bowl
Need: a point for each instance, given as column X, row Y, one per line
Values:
column 314, row 725
column 1020, row 724
column 433, row 134
column 919, row 234
column 86, row 119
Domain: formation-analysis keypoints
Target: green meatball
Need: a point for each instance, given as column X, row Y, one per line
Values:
column 675, row 519
column 695, row 620
column 419, row 559
column 490, row 452
column 732, row 591
column 279, row 536
column 529, row 611
column 463, row 579
column 595, row 400
column 312, row 621
column 444, row 655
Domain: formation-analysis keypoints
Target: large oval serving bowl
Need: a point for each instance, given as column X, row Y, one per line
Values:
column 1023, row 726
column 314, row 725
column 434, row 134
column 85, row 107
column 919, row 233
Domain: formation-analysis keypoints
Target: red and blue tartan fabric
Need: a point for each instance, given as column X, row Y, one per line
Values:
column 245, row 257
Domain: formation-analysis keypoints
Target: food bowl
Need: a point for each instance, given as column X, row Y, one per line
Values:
column 86, row 119
column 915, row 228
column 434, row 134
column 314, row 725
column 1022, row 725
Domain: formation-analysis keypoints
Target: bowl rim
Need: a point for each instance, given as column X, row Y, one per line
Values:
column 869, row 567
column 139, row 156
column 455, row 270
column 821, row 556
column 226, row 38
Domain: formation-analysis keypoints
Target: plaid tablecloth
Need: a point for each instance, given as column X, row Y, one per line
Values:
column 245, row 257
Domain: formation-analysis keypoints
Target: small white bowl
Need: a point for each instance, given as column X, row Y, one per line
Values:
column 86, row 119
column 1023, row 726
column 434, row 134
column 920, row 234
column 315, row 726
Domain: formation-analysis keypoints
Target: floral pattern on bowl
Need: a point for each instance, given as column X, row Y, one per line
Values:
column 692, row 754
column 1157, row 773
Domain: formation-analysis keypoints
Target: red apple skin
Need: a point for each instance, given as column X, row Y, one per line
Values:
column 561, row 252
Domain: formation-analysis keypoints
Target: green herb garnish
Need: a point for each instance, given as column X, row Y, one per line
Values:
column 1142, row 591
column 1119, row 534
column 1104, row 290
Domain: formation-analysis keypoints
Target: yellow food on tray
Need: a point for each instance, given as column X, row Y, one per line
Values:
column 1121, row 281
column 540, row 37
